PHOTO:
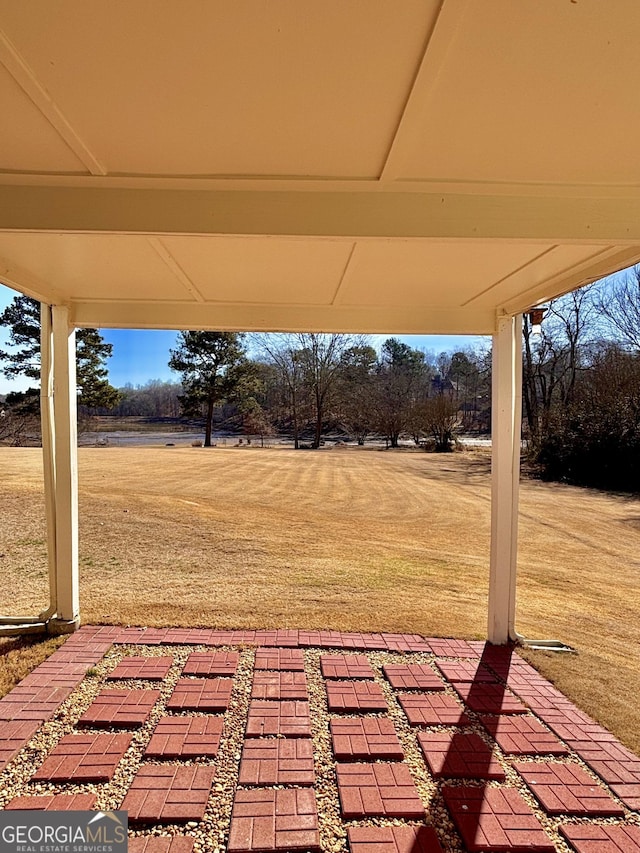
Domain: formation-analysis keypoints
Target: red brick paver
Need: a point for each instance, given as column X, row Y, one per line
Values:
column 495, row 819
column 274, row 820
column 160, row 844
column 365, row 738
column 54, row 802
column 185, row 737
column 289, row 719
column 152, row 669
column 212, row 664
column 355, row 696
column 489, row 698
column 459, row 755
column 13, row 736
column 629, row 794
column 163, row 793
column 430, row 709
column 413, row 677
column 279, row 685
column 609, row 759
column 393, row 839
column 447, row 648
column 405, row 643
column 278, row 637
column 589, row 838
column 520, row 735
column 84, row 758
column 119, row 708
column 346, row 666
column 201, row 694
column 378, row 790
column 566, row 789
column 287, row 761
column 33, row 702
column 272, row 658
column 466, row 671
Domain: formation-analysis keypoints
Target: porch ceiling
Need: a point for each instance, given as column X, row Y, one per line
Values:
column 353, row 166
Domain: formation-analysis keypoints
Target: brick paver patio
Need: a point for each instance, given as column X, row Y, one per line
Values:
column 396, row 744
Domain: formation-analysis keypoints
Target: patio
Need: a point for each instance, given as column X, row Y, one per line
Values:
column 257, row 741
column 306, row 167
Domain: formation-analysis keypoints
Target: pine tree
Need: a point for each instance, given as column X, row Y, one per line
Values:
column 22, row 318
column 213, row 367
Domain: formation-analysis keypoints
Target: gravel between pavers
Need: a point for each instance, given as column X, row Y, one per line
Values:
column 211, row 833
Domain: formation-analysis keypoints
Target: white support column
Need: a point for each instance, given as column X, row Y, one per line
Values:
column 48, row 448
column 66, row 471
column 506, row 421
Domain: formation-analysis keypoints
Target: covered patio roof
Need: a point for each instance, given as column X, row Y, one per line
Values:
column 430, row 166
column 406, row 168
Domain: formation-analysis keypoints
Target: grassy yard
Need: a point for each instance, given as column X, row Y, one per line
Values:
column 340, row 538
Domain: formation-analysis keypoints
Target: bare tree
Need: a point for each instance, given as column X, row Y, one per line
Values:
column 355, row 392
column 620, row 304
column 256, row 421
column 282, row 351
column 20, row 418
column 323, row 363
column 402, row 384
column 553, row 358
column 440, row 415
column 310, row 364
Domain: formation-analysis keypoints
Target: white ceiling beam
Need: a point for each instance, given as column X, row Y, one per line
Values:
column 38, row 95
column 281, row 318
column 352, row 215
column 167, row 258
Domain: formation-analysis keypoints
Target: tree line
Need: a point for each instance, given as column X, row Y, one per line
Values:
column 299, row 385
column 581, row 385
column 305, row 385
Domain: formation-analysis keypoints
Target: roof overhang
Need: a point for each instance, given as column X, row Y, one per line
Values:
column 414, row 168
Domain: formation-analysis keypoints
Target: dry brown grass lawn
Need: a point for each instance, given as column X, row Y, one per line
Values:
column 339, row 538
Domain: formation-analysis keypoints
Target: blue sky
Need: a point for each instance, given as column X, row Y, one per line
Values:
column 141, row 355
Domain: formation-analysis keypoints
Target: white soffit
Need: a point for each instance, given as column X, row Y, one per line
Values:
column 361, row 166
column 227, row 88
column 542, row 92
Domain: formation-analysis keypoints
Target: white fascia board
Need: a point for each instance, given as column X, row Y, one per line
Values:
column 281, row 318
